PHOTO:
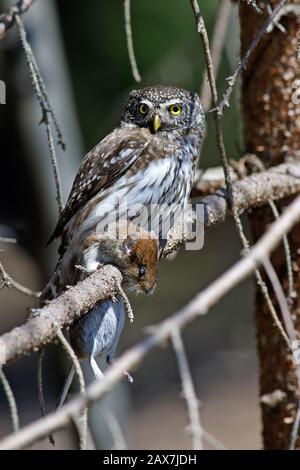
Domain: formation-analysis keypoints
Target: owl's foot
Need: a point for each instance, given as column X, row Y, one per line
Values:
column 89, row 269
column 33, row 313
column 127, row 376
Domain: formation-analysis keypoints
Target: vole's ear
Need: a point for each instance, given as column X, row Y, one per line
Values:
column 129, row 247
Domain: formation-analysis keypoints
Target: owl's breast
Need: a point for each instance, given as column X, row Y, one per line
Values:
column 161, row 178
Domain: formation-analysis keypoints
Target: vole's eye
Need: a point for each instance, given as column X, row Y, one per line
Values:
column 142, row 271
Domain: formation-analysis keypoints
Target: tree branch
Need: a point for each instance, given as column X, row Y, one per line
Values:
column 253, row 191
column 200, row 305
column 73, row 303
column 7, row 20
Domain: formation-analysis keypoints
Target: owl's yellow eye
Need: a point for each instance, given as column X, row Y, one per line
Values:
column 143, row 108
column 175, row 109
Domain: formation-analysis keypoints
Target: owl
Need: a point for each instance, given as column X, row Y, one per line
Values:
column 141, row 172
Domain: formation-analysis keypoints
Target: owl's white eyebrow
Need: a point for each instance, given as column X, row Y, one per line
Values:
column 170, row 102
column 148, row 103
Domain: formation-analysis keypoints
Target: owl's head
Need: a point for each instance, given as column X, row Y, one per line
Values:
column 164, row 108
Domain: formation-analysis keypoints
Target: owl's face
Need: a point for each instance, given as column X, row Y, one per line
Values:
column 162, row 109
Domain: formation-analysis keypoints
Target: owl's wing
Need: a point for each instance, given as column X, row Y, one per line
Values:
column 101, row 167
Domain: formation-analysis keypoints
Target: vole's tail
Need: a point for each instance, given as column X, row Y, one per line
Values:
column 66, row 388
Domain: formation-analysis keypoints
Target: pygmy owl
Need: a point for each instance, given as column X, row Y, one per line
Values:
column 142, row 171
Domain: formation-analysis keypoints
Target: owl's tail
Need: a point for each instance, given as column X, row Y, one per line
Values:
column 66, row 388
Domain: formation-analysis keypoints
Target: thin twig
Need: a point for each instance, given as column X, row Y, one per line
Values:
column 7, row 281
column 217, row 45
column 11, row 401
column 41, row 398
column 48, row 104
column 243, row 63
column 293, row 340
column 36, row 81
column 213, row 442
column 114, row 428
column 285, row 312
column 200, row 305
column 223, row 156
column 192, row 403
column 288, row 256
column 130, row 47
column 253, row 4
column 56, row 171
column 82, row 425
column 127, row 304
column 7, row 20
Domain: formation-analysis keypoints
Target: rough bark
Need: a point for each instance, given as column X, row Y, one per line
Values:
column 272, row 131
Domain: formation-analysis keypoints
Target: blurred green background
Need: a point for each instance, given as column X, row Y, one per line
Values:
column 81, row 50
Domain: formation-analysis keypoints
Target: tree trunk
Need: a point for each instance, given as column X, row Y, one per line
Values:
column 271, row 111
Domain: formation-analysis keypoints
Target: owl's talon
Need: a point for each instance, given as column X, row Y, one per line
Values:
column 128, row 377
column 34, row 312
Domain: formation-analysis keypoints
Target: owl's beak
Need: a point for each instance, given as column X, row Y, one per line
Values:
column 156, row 123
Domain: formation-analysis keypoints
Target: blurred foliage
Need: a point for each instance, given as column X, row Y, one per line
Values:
column 168, row 51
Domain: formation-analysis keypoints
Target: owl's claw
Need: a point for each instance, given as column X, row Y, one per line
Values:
column 33, row 313
column 127, row 376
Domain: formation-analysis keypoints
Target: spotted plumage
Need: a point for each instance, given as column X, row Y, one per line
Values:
column 148, row 161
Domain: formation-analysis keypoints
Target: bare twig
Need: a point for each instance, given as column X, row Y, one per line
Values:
column 217, row 44
column 82, row 425
column 218, row 116
column 48, row 104
column 40, row 388
column 131, row 54
column 7, row 281
column 213, row 442
column 40, row 94
column 243, row 63
column 117, row 435
column 198, row 306
column 11, row 401
column 127, row 305
column 288, row 257
column 285, row 312
column 7, row 20
column 292, row 337
column 253, row 4
column 195, row 427
column 223, row 156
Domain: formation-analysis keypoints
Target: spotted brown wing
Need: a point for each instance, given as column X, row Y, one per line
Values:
column 101, row 167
